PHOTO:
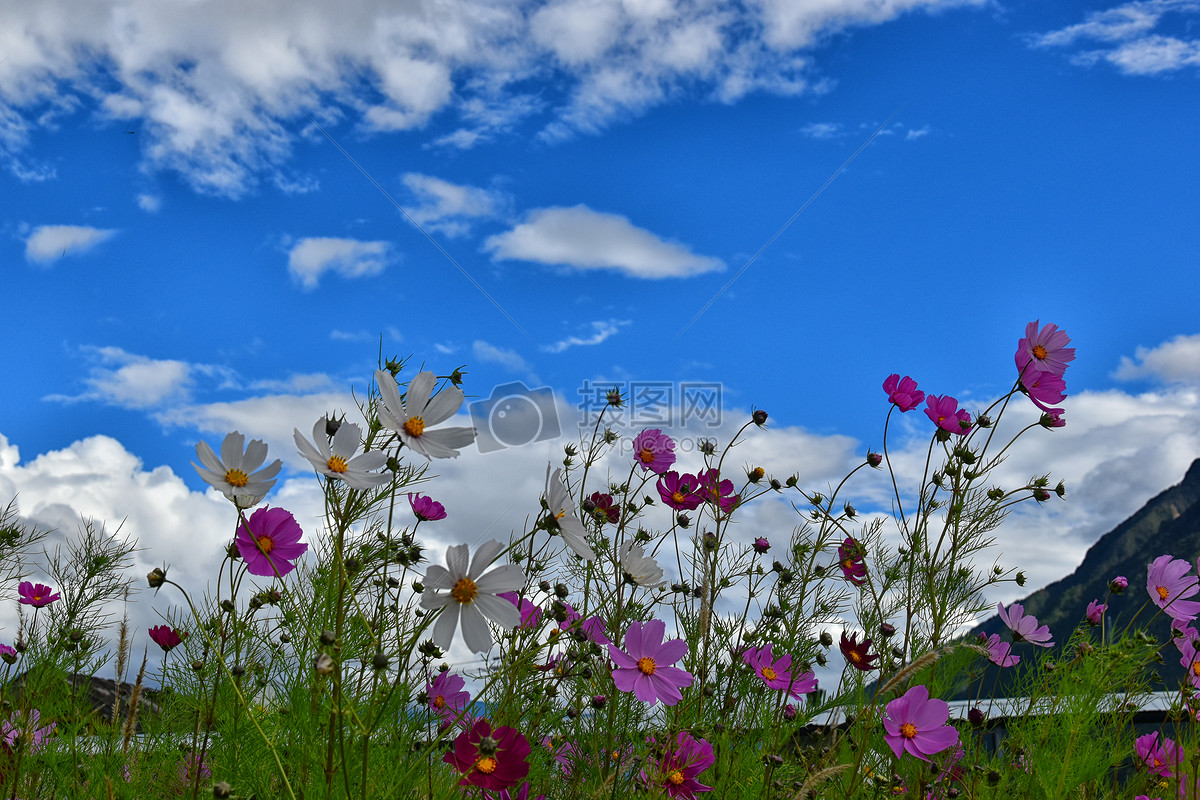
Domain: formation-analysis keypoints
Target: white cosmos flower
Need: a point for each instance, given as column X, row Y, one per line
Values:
column 234, row 472
column 473, row 594
column 558, row 499
column 644, row 570
column 335, row 458
column 421, row 410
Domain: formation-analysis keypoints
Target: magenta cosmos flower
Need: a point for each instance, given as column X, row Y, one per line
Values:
column 917, row 724
column 1169, row 586
column 1044, row 350
column 25, row 727
column 531, row 615
column 858, row 655
column 851, row 561
column 680, row 492
column 506, row 766
column 448, row 696
column 718, row 492
column 999, row 652
column 426, row 509
column 167, row 637
column 761, row 545
column 270, row 541
column 36, row 594
column 8, row 654
column 592, row 627
column 603, row 508
column 1024, row 628
column 678, row 769
column 653, row 450
column 946, row 414
column 1045, row 389
column 1095, row 612
column 903, row 392
column 1190, row 659
column 777, row 673
column 1161, row 759
column 644, row 668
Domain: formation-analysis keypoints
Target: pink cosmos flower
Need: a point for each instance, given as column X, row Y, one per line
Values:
column 1118, row 584
column 9, row 654
column 851, row 561
column 593, row 627
column 999, row 652
column 1054, row 418
column 1095, row 612
column 25, row 727
column 1168, row 583
column 270, row 541
column 718, row 492
column 653, row 450
column 777, row 674
column 917, row 724
column 425, row 508
column 644, row 668
column 531, row 615
column 1045, row 389
column 447, row 696
column 1024, row 628
column 1045, row 350
column 903, row 392
column 1160, row 759
column 945, row 413
column 504, row 767
column 1190, row 659
column 678, row 769
column 36, row 594
column 167, row 637
column 680, row 492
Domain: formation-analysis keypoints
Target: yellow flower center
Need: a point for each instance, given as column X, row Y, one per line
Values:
column 1196, row 667
column 1039, row 352
column 487, row 765
column 768, row 673
column 464, row 591
column 336, row 464
column 235, row 477
column 414, row 426
column 855, row 656
column 908, row 730
column 266, row 544
column 677, row 496
column 1163, row 592
column 848, row 563
column 645, row 665
column 940, row 418
column 675, row 777
column 439, row 701
column 646, row 455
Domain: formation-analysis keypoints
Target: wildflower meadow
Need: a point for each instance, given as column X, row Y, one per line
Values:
column 637, row 639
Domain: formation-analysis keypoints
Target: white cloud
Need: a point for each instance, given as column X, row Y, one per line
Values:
column 584, row 239
column 150, row 203
column 218, row 90
column 310, row 258
column 1131, row 45
column 484, row 351
column 129, row 380
column 1174, row 361
column 916, row 133
column 601, row 330
column 822, row 130
column 49, row 243
column 448, row 207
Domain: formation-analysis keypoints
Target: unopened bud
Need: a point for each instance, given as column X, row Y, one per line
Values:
column 874, row 459
column 759, row 417
column 684, row 520
column 156, row 578
column 488, row 746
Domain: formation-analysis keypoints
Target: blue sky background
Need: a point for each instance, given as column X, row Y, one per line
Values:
column 186, row 252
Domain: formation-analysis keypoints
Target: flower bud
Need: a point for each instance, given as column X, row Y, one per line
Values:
column 755, row 475
column 613, row 398
column 684, row 520
column 560, row 590
column 761, row 545
column 1020, row 579
column 156, row 578
column 418, row 587
column 1118, row 585
column 821, row 659
column 331, row 426
column 237, row 670
column 887, row 630
column 851, row 511
column 227, row 606
column 327, row 637
column 874, row 459
column 708, row 447
column 759, row 417
column 826, row 639
column 975, row 717
column 379, row 661
column 789, row 712
column 598, row 701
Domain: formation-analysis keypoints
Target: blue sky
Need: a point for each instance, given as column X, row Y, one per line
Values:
column 187, row 251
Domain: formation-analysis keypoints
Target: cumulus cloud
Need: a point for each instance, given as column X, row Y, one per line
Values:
column 48, row 243
column 581, row 238
column 129, row 380
column 490, row 353
column 150, row 203
column 311, row 258
column 449, row 207
column 601, row 330
column 219, row 91
column 1128, row 39
column 1175, row 361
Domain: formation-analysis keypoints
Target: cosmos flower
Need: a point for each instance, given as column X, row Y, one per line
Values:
column 335, row 458
column 945, row 413
column 447, row 696
column 1161, row 759
column 473, row 594
column 419, row 411
column 269, row 542
column 1044, row 350
column 167, row 637
column 777, row 673
column 603, row 508
column 1168, row 583
column 25, row 727
column 36, row 594
column 1190, row 659
column 850, row 559
column 1118, row 584
column 644, row 570
column 654, row 451
column 644, row 668
column 1095, row 612
column 1024, row 628
column 761, row 545
column 236, row 474
column 593, row 627
column 680, row 492
column 858, row 655
column 1045, row 389
column 1000, row 652
column 426, row 509
column 531, row 615
column 718, row 492
column 8, row 653
column 917, row 724
column 679, row 767
column 903, row 392
column 501, row 768
column 562, row 508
